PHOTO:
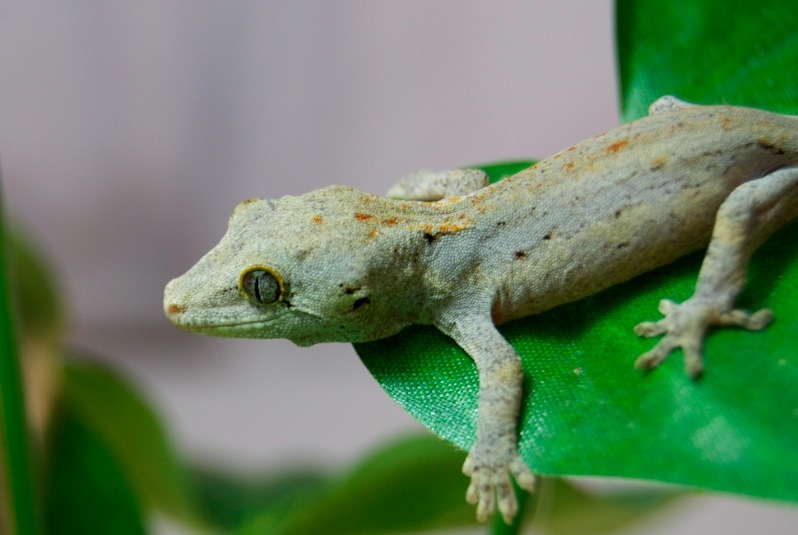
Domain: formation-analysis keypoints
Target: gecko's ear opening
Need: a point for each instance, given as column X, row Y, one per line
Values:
column 261, row 285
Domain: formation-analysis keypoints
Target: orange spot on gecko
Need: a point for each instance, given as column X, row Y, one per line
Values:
column 725, row 123
column 174, row 309
column 476, row 199
column 569, row 166
column 449, row 228
column 658, row 163
column 363, row 217
column 318, row 219
column 391, row 221
column 618, row 145
column 443, row 228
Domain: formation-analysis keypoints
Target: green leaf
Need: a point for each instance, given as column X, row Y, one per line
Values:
column 121, row 418
column 587, row 411
column 708, row 52
column 35, row 297
column 411, row 485
column 86, row 491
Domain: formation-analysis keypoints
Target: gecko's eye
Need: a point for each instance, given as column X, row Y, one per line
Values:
column 261, row 285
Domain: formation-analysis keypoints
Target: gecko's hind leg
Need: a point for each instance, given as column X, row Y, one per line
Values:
column 750, row 214
column 437, row 185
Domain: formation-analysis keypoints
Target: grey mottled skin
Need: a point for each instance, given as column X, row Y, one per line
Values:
column 340, row 265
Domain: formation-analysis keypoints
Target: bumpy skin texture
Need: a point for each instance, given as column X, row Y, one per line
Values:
column 340, row 265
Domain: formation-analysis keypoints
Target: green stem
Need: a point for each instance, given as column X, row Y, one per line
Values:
column 17, row 496
column 525, row 502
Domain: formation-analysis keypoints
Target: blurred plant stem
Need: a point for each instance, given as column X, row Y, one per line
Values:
column 20, row 516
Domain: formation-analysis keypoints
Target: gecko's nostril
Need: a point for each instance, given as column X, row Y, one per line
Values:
column 173, row 309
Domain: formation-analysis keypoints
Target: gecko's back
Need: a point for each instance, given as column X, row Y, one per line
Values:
column 621, row 204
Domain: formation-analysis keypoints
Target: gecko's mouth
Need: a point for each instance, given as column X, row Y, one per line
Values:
column 233, row 329
column 231, row 324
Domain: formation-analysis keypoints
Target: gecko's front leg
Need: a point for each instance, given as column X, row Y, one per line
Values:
column 749, row 215
column 494, row 456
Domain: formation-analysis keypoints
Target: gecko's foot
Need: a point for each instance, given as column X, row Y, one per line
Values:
column 491, row 485
column 685, row 326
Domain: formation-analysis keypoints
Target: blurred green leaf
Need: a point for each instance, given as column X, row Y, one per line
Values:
column 566, row 509
column 98, row 411
column 18, row 509
column 122, row 420
column 36, row 299
column 228, row 501
column 587, row 411
column 411, row 485
column 86, row 491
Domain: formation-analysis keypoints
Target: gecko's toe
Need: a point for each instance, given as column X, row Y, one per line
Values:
column 472, row 494
column 481, row 489
column 522, row 474
column 468, row 466
column 693, row 360
column 694, row 368
column 486, row 503
column 653, row 358
column 491, row 486
column 508, row 506
column 649, row 329
column 739, row 318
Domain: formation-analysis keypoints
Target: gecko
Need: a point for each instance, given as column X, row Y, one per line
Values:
column 449, row 250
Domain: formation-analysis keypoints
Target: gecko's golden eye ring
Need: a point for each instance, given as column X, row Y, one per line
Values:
column 261, row 285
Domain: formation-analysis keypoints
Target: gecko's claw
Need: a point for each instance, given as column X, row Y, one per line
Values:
column 685, row 326
column 491, row 486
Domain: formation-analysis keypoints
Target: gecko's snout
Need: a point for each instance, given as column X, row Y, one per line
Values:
column 171, row 308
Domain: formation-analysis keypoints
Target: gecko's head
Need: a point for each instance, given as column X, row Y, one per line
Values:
column 295, row 268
